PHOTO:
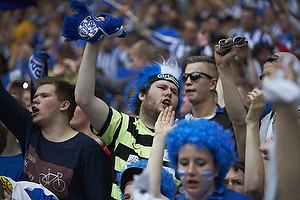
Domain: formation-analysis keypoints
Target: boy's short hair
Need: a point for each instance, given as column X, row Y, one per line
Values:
column 238, row 165
column 63, row 89
column 205, row 59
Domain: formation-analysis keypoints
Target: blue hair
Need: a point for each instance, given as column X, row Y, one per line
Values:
column 168, row 183
column 203, row 133
column 141, row 83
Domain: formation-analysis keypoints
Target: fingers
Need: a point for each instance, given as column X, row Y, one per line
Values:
column 168, row 115
column 164, row 121
column 256, row 96
column 264, row 148
column 223, row 52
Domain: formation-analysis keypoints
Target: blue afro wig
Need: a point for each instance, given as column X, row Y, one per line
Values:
column 203, row 133
column 168, row 183
column 167, row 70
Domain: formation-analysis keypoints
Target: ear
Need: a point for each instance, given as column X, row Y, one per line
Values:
column 213, row 84
column 142, row 96
column 64, row 105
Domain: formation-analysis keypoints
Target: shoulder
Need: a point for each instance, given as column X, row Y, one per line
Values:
column 83, row 141
column 230, row 194
column 222, row 118
column 87, row 147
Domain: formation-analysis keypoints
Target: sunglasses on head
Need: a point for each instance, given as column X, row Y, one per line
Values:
column 238, row 41
column 195, row 76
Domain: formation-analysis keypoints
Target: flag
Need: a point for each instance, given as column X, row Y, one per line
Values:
column 38, row 65
column 14, row 4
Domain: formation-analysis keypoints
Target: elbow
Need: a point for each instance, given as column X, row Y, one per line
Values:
column 80, row 101
column 255, row 194
column 256, row 191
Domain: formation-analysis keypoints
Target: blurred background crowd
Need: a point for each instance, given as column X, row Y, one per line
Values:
column 177, row 28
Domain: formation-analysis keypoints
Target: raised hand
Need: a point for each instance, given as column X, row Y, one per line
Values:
column 165, row 121
column 257, row 106
column 224, row 57
column 84, row 25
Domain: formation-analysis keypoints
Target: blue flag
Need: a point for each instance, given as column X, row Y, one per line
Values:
column 14, row 4
column 38, row 65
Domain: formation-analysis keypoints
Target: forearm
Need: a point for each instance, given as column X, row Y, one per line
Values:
column 85, row 85
column 288, row 143
column 232, row 98
column 235, row 108
column 93, row 107
column 154, row 165
column 254, row 166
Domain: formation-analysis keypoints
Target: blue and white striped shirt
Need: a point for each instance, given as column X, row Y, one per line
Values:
column 253, row 38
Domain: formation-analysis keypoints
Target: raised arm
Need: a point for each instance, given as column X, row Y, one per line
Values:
column 288, row 141
column 163, row 124
column 288, row 135
column 232, row 98
column 94, row 108
column 84, row 25
column 254, row 166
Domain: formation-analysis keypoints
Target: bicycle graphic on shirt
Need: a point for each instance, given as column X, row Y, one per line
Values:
column 57, row 183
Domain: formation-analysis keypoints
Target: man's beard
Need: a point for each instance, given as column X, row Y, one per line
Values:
column 150, row 109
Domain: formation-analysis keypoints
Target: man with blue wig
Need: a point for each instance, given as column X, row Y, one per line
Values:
column 156, row 87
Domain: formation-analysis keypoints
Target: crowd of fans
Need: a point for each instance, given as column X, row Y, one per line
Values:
column 158, row 32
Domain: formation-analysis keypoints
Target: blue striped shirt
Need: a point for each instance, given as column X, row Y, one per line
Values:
column 253, row 38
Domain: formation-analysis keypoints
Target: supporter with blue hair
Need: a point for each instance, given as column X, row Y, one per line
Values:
column 213, row 149
column 201, row 152
column 156, row 87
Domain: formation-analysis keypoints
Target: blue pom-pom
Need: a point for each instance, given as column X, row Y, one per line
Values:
column 112, row 26
column 71, row 24
column 84, row 25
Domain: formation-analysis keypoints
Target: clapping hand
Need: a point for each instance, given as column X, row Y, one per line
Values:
column 165, row 121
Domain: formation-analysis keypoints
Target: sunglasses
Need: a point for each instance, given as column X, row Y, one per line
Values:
column 262, row 77
column 238, row 41
column 195, row 76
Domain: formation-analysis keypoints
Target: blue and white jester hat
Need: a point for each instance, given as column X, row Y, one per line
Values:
column 168, row 70
column 84, row 25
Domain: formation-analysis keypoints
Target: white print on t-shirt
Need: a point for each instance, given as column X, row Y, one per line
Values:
column 132, row 159
column 55, row 179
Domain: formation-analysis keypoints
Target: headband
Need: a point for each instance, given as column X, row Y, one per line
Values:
column 166, row 77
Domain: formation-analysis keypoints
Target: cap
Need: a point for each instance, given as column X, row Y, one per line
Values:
column 127, row 176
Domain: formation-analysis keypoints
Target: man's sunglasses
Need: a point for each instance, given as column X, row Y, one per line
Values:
column 238, row 41
column 195, row 76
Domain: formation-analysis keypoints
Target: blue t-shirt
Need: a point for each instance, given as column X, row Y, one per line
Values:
column 228, row 195
column 12, row 166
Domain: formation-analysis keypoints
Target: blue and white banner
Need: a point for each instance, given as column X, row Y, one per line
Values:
column 26, row 190
column 38, row 65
